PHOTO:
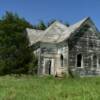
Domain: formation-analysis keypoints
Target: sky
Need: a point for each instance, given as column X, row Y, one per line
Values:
column 69, row 11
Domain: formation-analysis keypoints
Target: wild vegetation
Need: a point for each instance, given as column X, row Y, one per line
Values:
column 49, row 88
column 15, row 54
column 14, row 51
column 16, row 58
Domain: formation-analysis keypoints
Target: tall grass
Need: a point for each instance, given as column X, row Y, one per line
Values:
column 49, row 88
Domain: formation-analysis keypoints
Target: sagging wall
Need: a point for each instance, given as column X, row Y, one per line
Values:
column 56, row 55
column 86, row 46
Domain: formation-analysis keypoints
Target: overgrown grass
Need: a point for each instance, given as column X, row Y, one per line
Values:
column 49, row 88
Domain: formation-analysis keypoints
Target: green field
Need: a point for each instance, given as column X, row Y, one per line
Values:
column 49, row 88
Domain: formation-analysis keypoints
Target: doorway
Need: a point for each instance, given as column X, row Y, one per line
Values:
column 48, row 67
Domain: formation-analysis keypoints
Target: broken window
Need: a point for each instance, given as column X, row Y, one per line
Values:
column 79, row 60
column 94, row 61
column 61, row 58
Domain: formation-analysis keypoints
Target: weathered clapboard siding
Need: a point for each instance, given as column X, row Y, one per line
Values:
column 88, row 45
column 61, row 49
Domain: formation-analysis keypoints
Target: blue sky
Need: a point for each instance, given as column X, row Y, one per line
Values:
column 69, row 11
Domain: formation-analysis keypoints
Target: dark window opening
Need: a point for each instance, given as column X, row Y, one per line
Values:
column 94, row 61
column 79, row 59
column 91, row 44
column 48, row 67
column 99, row 61
column 61, row 58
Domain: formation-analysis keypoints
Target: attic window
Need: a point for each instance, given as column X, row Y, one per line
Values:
column 86, row 27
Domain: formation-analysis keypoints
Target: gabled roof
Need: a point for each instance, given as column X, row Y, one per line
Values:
column 55, row 33
column 34, row 35
column 72, row 29
column 51, row 34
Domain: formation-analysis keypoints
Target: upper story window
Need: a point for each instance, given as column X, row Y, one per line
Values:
column 91, row 44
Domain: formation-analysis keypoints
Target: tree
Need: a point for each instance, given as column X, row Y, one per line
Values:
column 40, row 26
column 14, row 51
column 53, row 20
column 67, row 24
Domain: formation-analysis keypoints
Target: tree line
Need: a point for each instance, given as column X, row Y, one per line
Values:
column 15, row 55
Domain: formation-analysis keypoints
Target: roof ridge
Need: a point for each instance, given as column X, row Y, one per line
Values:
column 56, row 32
column 73, row 27
column 56, row 23
column 81, row 21
column 34, row 29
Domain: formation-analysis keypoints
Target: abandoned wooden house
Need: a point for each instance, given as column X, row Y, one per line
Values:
column 61, row 49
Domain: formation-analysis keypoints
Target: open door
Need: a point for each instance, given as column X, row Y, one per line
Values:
column 48, row 67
